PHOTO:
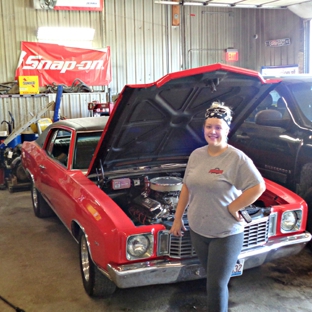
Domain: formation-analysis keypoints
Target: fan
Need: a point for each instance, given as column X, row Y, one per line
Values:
column 47, row 4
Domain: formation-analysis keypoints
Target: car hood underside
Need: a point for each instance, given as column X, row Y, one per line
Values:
column 162, row 122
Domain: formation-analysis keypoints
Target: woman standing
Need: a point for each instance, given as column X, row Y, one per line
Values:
column 219, row 181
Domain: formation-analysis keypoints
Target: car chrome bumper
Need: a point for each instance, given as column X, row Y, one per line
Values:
column 171, row 271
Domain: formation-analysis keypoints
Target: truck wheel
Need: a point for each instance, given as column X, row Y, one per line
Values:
column 40, row 206
column 305, row 182
column 94, row 282
column 305, row 191
column 309, row 222
column 308, row 198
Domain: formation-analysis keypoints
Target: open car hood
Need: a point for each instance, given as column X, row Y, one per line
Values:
column 162, row 122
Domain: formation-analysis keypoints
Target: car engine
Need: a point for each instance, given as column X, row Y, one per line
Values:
column 154, row 200
column 157, row 202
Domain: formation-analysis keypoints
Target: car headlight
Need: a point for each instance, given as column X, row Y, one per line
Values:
column 140, row 246
column 291, row 221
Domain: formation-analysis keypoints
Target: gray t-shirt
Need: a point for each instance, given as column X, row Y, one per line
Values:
column 213, row 183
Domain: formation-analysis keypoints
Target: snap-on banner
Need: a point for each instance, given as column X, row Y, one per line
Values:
column 81, row 5
column 54, row 63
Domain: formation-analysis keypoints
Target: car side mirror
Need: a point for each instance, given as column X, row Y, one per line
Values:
column 270, row 117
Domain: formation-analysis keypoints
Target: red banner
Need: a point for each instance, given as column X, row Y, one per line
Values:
column 54, row 63
column 81, row 5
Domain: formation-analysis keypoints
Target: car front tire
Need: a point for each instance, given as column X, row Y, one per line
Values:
column 40, row 206
column 94, row 282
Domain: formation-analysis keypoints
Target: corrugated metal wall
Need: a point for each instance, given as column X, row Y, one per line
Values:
column 144, row 44
column 246, row 30
column 25, row 107
column 21, row 109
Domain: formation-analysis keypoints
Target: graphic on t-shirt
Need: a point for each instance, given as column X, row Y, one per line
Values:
column 216, row 171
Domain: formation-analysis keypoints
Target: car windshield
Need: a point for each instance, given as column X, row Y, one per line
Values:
column 84, row 149
column 302, row 92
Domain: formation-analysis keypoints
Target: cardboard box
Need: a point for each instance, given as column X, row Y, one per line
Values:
column 28, row 84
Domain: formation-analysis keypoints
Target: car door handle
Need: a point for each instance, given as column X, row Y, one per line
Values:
column 243, row 136
column 42, row 167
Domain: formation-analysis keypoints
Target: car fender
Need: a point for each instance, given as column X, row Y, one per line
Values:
column 29, row 163
column 99, row 217
column 106, row 226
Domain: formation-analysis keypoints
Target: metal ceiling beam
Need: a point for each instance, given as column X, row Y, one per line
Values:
column 240, row 4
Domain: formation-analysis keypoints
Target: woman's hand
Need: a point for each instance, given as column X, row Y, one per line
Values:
column 177, row 227
column 248, row 197
column 235, row 214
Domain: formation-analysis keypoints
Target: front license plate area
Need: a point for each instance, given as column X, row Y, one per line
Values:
column 238, row 268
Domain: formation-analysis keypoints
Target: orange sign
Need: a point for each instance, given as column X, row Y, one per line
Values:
column 231, row 55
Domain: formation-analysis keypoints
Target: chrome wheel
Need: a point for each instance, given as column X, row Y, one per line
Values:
column 85, row 262
column 40, row 206
column 34, row 195
column 94, row 282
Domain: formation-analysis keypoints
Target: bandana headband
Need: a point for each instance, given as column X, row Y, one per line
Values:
column 220, row 113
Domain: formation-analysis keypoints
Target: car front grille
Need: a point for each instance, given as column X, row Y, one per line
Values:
column 181, row 246
column 255, row 234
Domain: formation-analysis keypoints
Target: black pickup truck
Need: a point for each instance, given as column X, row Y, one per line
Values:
column 277, row 135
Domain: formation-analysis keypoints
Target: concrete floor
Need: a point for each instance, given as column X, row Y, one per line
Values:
column 39, row 272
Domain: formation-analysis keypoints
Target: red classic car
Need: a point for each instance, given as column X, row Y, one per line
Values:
column 115, row 182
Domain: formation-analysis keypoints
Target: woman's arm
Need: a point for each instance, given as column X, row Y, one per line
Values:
column 245, row 199
column 182, row 203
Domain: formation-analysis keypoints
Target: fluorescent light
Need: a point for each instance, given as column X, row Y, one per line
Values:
column 204, row 3
column 167, row 2
column 65, row 33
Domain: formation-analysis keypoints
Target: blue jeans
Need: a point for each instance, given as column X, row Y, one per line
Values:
column 218, row 256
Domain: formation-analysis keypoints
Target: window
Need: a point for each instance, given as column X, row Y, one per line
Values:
column 58, row 146
column 85, row 146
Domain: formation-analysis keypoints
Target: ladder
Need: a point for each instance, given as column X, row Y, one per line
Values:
column 34, row 119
